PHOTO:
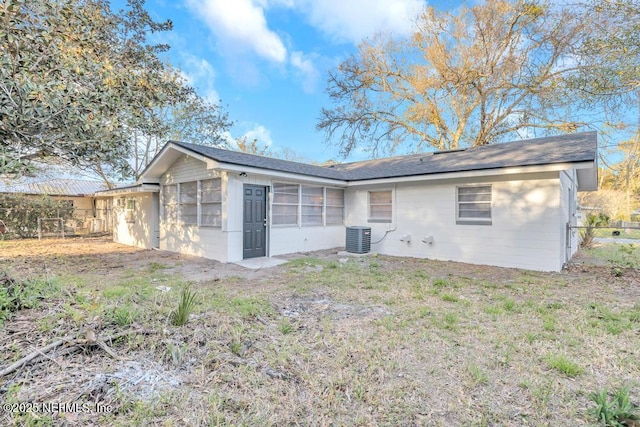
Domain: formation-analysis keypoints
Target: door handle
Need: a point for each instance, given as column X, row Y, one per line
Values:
column 265, row 222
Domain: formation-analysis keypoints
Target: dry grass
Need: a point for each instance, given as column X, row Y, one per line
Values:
column 322, row 340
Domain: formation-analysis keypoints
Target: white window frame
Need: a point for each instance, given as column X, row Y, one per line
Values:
column 183, row 204
column 475, row 220
column 311, row 205
column 173, row 219
column 201, row 200
column 376, row 218
column 130, row 210
column 215, row 201
column 301, row 204
column 327, row 206
column 274, row 203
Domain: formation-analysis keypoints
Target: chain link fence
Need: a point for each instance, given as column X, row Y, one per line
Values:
column 614, row 232
column 58, row 223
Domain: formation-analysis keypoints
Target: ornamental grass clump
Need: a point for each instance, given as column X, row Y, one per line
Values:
column 180, row 316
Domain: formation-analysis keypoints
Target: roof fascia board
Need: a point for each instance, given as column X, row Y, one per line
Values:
column 48, row 194
column 282, row 175
column 476, row 173
column 211, row 164
column 154, row 161
column 143, row 188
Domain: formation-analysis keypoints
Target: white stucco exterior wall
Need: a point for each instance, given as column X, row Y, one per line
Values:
column 288, row 240
column 530, row 213
column 225, row 243
column 143, row 231
column 280, row 239
column 206, row 242
column 523, row 233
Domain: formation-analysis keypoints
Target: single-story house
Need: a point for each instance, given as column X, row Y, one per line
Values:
column 509, row 204
column 78, row 194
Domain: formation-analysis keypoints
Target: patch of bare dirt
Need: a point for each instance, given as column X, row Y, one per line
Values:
column 316, row 307
column 329, row 340
column 101, row 256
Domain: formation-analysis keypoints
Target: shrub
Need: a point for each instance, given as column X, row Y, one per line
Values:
column 20, row 212
column 593, row 221
column 617, row 412
column 15, row 295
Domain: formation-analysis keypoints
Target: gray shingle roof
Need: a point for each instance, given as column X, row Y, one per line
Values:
column 53, row 187
column 572, row 148
column 244, row 159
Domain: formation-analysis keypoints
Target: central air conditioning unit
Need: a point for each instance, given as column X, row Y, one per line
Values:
column 358, row 240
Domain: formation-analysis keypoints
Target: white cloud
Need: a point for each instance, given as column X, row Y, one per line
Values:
column 354, row 20
column 241, row 25
column 306, row 71
column 199, row 73
column 250, row 131
column 260, row 133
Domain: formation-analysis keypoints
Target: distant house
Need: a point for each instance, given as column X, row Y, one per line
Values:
column 76, row 193
column 507, row 205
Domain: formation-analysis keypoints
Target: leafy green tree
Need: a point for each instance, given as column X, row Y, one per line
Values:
column 479, row 75
column 611, row 51
column 192, row 119
column 79, row 82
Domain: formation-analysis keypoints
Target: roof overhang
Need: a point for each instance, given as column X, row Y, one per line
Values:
column 134, row 189
column 171, row 152
column 249, row 170
column 587, row 174
column 165, row 158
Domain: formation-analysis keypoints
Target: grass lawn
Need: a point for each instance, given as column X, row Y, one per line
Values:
column 321, row 340
column 622, row 233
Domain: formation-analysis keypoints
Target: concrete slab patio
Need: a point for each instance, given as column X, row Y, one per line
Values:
column 260, row 263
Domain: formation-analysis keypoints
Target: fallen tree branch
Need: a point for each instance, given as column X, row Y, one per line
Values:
column 29, row 357
column 74, row 345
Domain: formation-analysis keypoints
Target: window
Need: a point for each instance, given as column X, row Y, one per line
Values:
column 310, row 205
column 335, row 206
column 170, row 203
column 474, row 205
column 285, row 204
column 312, row 202
column 130, row 209
column 205, row 210
column 189, row 203
column 211, row 202
column 380, row 206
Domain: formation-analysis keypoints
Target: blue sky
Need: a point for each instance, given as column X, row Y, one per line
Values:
column 267, row 60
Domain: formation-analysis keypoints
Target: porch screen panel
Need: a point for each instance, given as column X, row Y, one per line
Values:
column 189, row 203
column 335, row 206
column 211, row 202
column 312, row 202
column 170, row 203
column 285, row 206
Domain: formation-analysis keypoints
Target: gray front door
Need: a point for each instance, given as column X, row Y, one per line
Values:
column 255, row 219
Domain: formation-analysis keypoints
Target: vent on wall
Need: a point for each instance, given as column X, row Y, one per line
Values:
column 358, row 240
